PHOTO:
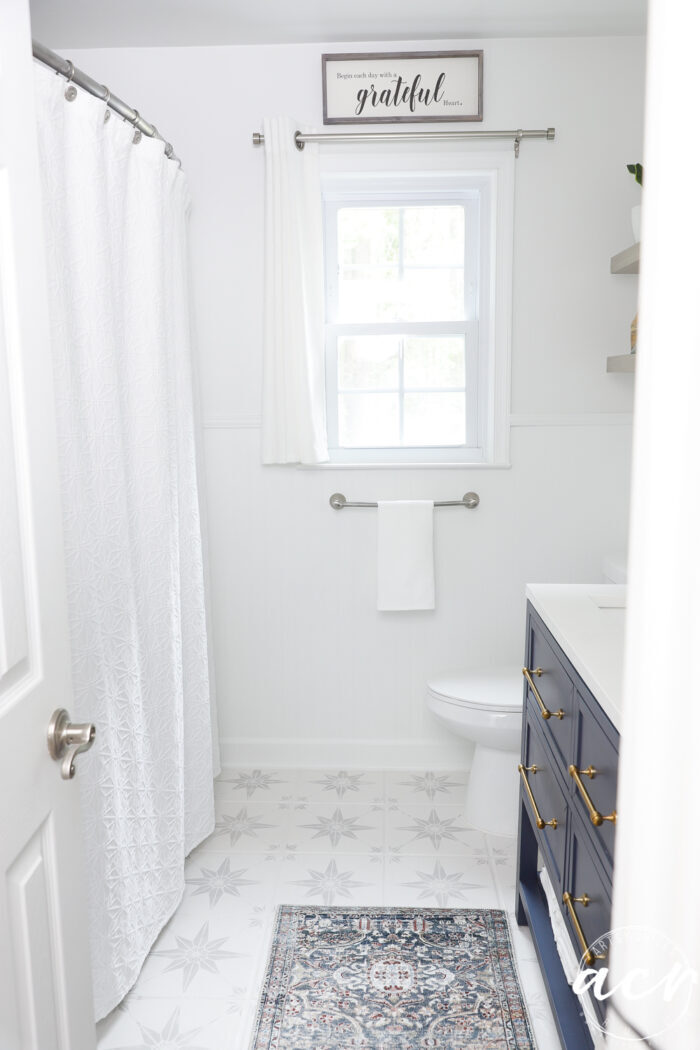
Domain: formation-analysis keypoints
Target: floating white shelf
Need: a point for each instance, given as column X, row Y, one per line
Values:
column 626, row 261
column 622, row 363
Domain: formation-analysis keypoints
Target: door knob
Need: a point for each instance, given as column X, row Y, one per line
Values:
column 67, row 739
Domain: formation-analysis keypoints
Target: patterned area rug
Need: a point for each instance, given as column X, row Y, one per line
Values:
column 391, row 979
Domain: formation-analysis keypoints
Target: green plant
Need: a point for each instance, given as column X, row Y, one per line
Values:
column 637, row 170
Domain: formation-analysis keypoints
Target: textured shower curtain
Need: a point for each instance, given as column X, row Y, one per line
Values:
column 115, row 214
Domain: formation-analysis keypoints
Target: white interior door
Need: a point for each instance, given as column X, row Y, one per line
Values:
column 45, row 993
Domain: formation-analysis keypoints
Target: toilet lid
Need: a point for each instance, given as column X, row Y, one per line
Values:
column 484, row 688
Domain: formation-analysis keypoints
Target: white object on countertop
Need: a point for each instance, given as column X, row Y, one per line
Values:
column 485, row 706
column 405, row 573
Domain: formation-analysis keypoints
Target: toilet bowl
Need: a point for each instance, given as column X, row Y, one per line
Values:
column 485, row 705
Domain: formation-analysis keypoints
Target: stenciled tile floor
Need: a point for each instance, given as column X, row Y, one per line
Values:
column 337, row 837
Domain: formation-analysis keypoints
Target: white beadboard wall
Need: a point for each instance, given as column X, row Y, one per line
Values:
column 308, row 672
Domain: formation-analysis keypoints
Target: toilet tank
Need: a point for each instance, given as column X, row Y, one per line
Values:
column 615, row 568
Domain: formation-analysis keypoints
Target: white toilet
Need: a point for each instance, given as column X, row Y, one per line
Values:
column 486, row 705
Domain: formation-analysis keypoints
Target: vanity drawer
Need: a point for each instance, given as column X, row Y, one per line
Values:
column 596, row 745
column 550, row 690
column 550, row 803
column 589, row 909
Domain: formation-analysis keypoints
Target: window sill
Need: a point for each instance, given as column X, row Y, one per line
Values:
column 404, row 466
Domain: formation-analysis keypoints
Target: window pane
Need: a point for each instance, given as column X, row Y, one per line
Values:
column 368, row 420
column 368, row 294
column 368, row 236
column 434, row 235
column 433, row 295
column 437, row 362
column 399, row 264
column 368, row 363
column 434, row 419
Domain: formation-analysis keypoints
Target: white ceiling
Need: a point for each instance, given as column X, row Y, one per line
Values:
column 168, row 23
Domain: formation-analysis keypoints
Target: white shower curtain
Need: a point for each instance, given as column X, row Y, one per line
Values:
column 115, row 214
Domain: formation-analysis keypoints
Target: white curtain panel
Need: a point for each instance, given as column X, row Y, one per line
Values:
column 115, row 214
column 293, row 413
column 655, row 954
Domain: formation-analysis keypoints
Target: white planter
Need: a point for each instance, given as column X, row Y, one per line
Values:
column 636, row 218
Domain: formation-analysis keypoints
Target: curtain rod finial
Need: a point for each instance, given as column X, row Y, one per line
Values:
column 258, row 139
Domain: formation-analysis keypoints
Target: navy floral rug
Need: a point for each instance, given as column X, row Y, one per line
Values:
column 391, row 979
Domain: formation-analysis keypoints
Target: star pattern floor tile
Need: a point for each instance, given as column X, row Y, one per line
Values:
column 331, row 836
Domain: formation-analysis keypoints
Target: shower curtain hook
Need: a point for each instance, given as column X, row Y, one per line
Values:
column 137, row 133
column 71, row 91
column 108, row 95
column 516, row 144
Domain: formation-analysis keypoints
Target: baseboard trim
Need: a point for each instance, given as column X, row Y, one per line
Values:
column 259, row 752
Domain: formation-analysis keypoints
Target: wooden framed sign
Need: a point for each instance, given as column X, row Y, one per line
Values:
column 403, row 87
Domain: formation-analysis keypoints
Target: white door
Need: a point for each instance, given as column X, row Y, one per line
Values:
column 45, row 992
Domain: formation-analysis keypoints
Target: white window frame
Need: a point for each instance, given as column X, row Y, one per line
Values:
column 484, row 184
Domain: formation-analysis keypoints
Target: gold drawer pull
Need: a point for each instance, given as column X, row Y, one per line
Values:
column 596, row 817
column 538, row 819
column 589, row 957
column 544, row 711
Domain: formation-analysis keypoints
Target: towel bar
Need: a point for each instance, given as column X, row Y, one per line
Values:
column 470, row 500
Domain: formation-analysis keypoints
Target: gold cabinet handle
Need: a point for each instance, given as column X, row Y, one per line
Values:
column 544, row 710
column 589, row 957
column 524, row 770
column 596, row 817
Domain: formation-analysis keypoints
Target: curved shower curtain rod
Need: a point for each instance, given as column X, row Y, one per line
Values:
column 76, row 76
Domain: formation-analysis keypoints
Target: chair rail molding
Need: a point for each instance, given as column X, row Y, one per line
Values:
column 581, row 419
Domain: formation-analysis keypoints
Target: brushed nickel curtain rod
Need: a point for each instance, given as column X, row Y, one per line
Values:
column 65, row 67
column 342, row 137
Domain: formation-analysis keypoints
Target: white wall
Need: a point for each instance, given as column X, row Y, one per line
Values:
column 307, row 670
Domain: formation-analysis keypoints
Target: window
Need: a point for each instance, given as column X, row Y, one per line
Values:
column 410, row 354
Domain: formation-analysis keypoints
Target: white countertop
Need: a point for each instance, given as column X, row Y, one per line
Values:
column 588, row 622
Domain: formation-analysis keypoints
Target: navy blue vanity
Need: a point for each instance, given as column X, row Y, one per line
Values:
column 568, row 784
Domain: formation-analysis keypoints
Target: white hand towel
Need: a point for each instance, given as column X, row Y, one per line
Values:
column 405, row 576
column 569, row 960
